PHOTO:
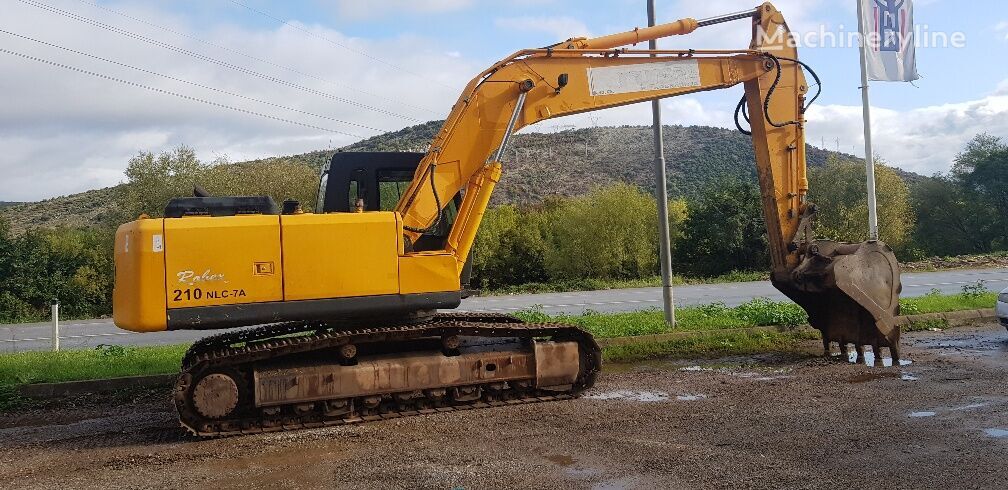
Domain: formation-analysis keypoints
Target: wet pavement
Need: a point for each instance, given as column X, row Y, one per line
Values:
column 792, row 420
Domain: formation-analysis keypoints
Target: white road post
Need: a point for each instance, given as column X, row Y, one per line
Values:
column 873, row 233
column 661, row 195
column 55, row 326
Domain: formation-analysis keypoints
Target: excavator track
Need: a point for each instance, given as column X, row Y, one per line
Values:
column 215, row 391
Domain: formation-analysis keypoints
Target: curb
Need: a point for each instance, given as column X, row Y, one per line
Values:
column 667, row 337
column 74, row 388
column 953, row 318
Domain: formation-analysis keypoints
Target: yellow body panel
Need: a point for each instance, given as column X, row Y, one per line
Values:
column 428, row 272
column 340, row 255
column 212, row 261
column 138, row 300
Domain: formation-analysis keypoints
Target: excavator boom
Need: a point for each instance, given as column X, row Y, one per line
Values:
column 346, row 302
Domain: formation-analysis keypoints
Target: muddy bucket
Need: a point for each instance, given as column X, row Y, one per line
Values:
column 851, row 294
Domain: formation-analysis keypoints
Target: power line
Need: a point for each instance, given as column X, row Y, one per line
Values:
column 207, row 87
column 208, row 59
column 176, row 94
column 330, row 41
column 249, row 56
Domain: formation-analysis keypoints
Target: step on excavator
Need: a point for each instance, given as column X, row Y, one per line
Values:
column 342, row 305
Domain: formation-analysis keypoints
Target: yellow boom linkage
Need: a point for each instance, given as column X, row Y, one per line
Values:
column 850, row 291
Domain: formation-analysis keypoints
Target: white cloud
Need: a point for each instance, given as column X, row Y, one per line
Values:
column 1002, row 88
column 362, row 9
column 799, row 15
column 64, row 132
column 560, row 28
column 923, row 140
column 1002, row 27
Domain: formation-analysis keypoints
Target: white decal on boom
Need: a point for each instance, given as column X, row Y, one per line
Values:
column 644, row 77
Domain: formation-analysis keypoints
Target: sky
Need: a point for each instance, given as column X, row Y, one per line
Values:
column 87, row 84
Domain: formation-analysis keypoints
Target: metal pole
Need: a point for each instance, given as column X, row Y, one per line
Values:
column 873, row 233
column 661, row 195
column 55, row 327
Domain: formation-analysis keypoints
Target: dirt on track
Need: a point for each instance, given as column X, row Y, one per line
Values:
column 794, row 420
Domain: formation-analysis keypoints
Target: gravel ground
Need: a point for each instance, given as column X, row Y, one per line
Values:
column 796, row 421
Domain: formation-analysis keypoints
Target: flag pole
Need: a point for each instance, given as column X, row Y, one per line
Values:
column 873, row 233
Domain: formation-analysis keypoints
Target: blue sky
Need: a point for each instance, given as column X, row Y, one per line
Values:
column 66, row 131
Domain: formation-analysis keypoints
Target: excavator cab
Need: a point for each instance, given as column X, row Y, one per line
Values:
column 376, row 181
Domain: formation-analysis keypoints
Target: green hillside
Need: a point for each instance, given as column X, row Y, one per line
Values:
column 537, row 165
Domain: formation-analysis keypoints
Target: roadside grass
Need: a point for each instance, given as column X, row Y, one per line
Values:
column 103, row 362
column 710, row 344
column 975, row 296
column 716, row 316
column 593, row 284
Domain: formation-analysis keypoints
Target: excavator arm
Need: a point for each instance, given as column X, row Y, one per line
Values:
column 583, row 75
column 850, row 291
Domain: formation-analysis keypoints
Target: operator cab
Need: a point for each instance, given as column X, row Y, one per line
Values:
column 379, row 179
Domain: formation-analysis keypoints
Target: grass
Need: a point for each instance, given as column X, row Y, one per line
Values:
column 710, row 344
column 717, row 316
column 103, row 362
column 593, row 284
column 973, row 297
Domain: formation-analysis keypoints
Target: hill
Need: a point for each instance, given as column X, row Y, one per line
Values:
column 537, row 166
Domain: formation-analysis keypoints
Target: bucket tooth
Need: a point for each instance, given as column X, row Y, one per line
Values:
column 850, row 292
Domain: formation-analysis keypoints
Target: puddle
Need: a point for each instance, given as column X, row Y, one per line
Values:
column 971, row 406
column 999, row 433
column 908, row 377
column 869, row 359
column 695, row 368
column 760, row 376
column 690, row 398
column 982, row 343
column 637, row 396
column 561, row 459
column 917, row 415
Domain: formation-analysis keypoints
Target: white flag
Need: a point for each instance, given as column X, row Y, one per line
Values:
column 888, row 30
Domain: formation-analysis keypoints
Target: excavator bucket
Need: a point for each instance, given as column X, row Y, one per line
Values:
column 851, row 294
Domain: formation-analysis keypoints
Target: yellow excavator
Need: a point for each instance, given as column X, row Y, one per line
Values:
column 343, row 302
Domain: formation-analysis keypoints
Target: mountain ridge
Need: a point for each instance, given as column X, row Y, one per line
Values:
column 537, row 166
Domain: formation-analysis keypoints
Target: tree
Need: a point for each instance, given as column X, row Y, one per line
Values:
column 73, row 266
column 153, row 180
column 509, row 248
column 839, row 191
column 981, row 169
column 608, row 233
column 724, row 232
column 951, row 221
column 282, row 179
column 966, row 211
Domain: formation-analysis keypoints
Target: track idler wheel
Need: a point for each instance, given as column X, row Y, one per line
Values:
column 851, row 294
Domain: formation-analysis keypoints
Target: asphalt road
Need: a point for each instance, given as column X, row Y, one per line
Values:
column 90, row 333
